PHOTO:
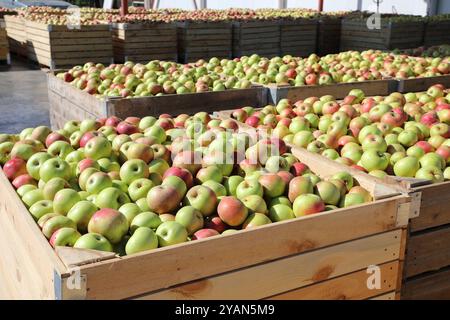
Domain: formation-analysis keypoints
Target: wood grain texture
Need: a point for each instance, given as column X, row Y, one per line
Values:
column 422, row 84
column 433, row 286
column 428, row 251
column 352, row 286
column 298, row 271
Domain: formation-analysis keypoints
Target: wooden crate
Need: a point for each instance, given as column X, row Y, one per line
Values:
column 69, row 103
column 60, row 47
column 328, row 35
column 339, row 91
column 422, row 84
column 142, row 42
column 355, row 35
column 17, row 36
column 436, row 33
column 298, row 37
column 256, row 37
column 4, row 46
column 203, row 40
column 314, row 257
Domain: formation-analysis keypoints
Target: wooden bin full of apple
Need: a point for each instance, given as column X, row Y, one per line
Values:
column 355, row 252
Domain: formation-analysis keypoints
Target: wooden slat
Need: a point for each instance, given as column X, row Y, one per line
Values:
column 297, row 271
column 428, row 251
column 387, row 296
column 185, row 262
column 352, row 286
column 28, row 262
column 431, row 286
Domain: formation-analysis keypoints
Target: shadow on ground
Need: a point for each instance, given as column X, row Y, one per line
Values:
column 23, row 97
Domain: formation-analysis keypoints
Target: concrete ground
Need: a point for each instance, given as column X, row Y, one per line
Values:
column 23, row 97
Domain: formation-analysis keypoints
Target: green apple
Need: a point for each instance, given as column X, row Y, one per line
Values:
column 142, row 239
column 145, row 219
column 408, row 138
column 406, row 167
column 97, row 148
column 132, row 170
column 60, row 149
column 35, row 162
column 170, row 233
column 255, row 220
column 143, row 204
column 110, row 223
column 209, row 173
column 280, row 200
column 107, row 165
column 122, row 186
column 159, row 166
column 218, row 188
column 298, row 186
column 41, row 208
column 177, row 183
column 139, row 188
column 130, row 210
column 378, row 174
column 415, row 151
column 25, row 188
column 255, row 203
column 351, row 199
column 64, row 237
column 190, row 218
column 64, row 200
column 32, row 196
column 430, row 173
column 53, row 168
column 447, row 173
column 81, row 213
column 273, row 185
column 281, row 212
column 249, row 187
column 111, row 198
column 93, row 241
column 201, row 198
column 432, row 160
column 374, row 160
column 329, row 193
column 97, row 182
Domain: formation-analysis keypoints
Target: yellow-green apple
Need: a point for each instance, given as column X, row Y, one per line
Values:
column 306, row 204
column 145, row 219
column 45, row 218
column 130, row 210
column 160, row 151
column 247, row 166
column 25, row 188
column 53, row 186
column 433, row 160
column 89, row 125
column 377, row 112
column 280, row 200
column 436, row 141
column 75, row 139
column 209, row 173
column 139, row 151
column 64, row 237
column 40, row 133
column 255, row 220
column 434, row 174
column 156, row 132
column 218, row 188
column 329, row 193
column 440, row 129
column 190, row 218
column 98, row 147
column 55, row 167
column 273, row 185
column 201, row 198
column 249, row 187
column 86, row 163
column 255, row 203
column 84, row 176
column 60, row 149
column 362, row 191
column 170, row 233
column 142, row 239
column 119, row 140
column 97, row 182
column 111, row 198
column 447, row 173
column 232, row 211
column 177, row 183
column 231, row 183
column 302, row 138
column 159, row 166
column 391, row 139
column 41, row 208
column 143, row 205
column 344, row 177
column 146, row 122
column 204, row 233
column 369, row 129
column 110, row 223
column 35, row 162
column 280, row 212
column 55, row 223
column 139, row 188
column 352, row 199
column 374, row 142
column 330, row 154
column 133, row 169
column 378, row 173
column 406, row 167
column 81, row 213
column 64, row 200
column 93, row 241
column 108, row 165
column 224, row 161
column 190, row 160
column 374, row 160
column 298, row 186
column 71, row 126
column 395, row 157
column 163, row 199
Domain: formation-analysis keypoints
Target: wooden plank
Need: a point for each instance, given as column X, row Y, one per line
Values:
column 387, row 296
column 428, row 251
column 294, row 272
column 28, row 266
column 352, row 286
column 434, row 210
column 433, row 286
column 422, row 84
column 147, row 272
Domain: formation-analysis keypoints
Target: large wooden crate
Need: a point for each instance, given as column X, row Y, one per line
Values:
column 256, row 37
column 322, row 256
column 4, row 46
column 422, row 84
column 355, row 35
column 328, row 35
column 436, row 33
column 69, row 103
column 142, row 42
column 61, row 47
column 203, row 40
column 17, row 35
column 339, row 91
column 298, row 37
column 428, row 246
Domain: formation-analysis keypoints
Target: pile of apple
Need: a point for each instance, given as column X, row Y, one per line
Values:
column 404, row 135
column 434, row 51
column 153, row 79
column 137, row 184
